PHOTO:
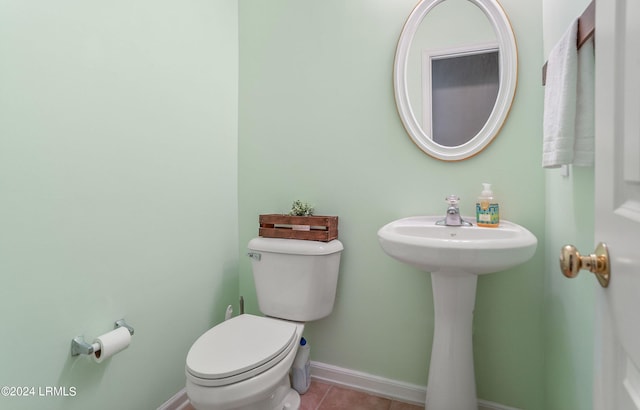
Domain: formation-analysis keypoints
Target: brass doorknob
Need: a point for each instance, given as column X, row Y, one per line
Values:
column 598, row 262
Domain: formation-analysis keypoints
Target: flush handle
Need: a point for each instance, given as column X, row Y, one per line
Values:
column 571, row 262
column 254, row 255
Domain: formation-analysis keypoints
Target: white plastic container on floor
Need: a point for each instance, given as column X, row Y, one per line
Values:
column 301, row 370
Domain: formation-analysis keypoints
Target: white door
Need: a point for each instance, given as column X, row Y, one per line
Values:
column 617, row 206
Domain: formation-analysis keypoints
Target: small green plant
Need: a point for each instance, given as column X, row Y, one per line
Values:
column 299, row 208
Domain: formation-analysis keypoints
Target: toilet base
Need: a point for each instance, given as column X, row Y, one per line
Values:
column 282, row 397
column 291, row 401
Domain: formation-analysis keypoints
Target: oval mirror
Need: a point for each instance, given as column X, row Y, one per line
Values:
column 455, row 75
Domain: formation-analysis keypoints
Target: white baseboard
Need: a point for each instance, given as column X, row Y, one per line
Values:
column 179, row 401
column 352, row 379
column 380, row 386
column 488, row 405
column 376, row 385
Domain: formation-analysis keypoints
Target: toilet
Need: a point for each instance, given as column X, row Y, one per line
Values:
column 244, row 362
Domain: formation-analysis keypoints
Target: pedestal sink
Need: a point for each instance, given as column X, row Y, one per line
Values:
column 455, row 256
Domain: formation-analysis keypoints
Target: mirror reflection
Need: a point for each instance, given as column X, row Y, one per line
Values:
column 463, row 92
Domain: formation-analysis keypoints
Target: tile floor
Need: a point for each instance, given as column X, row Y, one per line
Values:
column 323, row 396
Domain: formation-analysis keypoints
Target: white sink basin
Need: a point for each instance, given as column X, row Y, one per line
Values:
column 455, row 256
column 419, row 242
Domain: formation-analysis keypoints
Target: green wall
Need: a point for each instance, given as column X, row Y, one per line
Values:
column 569, row 304
column 118, row 178
column 135, row 156
column 317, row 122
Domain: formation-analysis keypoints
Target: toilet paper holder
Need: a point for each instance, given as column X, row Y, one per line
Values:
column 79, row 346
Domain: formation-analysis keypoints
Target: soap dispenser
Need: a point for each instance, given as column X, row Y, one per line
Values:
column 487, row 208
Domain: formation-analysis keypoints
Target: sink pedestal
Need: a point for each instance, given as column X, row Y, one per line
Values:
column 451, row 384
column 455, row 256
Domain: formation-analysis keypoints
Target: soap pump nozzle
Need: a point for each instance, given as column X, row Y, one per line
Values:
column 486, row 190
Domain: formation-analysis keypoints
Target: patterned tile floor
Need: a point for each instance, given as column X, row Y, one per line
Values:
column 323, row 396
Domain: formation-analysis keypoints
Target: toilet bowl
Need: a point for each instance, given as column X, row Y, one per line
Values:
column 244, row 362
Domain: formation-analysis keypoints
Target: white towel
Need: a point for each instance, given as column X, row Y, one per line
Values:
column 569, row 103
column 584, row 147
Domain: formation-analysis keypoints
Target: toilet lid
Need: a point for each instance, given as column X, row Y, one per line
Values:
column 240, row 345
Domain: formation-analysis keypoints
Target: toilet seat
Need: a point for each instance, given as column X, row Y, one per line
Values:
column 238, row 349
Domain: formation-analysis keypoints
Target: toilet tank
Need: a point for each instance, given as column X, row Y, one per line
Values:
column 295, row 279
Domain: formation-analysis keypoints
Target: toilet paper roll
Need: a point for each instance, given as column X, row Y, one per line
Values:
column 111, row 343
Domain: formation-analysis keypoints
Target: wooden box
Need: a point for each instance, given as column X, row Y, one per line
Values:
column 310, row 228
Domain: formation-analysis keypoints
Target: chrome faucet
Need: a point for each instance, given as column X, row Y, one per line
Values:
column 453, row 217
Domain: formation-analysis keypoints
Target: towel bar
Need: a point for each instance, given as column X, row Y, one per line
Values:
column 586, row 30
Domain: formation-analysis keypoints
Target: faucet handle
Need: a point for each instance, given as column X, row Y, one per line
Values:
column 453, row 199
